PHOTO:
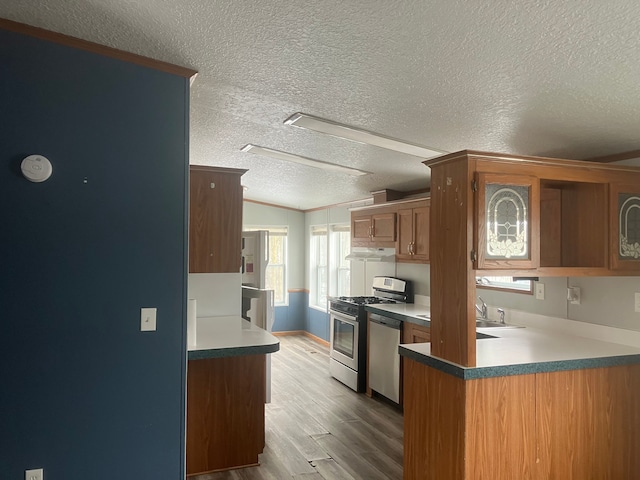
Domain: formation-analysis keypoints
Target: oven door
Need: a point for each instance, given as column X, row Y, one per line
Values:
column 344, row 339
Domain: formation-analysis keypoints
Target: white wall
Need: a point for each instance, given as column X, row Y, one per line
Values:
column 605, row 301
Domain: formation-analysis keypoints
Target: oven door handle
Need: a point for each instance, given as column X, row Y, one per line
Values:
column 345, row 318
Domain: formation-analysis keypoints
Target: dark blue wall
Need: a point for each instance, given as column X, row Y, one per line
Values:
column 84, row 393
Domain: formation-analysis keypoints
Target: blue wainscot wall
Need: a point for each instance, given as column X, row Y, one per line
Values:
column 83, row 392
column 299, row 316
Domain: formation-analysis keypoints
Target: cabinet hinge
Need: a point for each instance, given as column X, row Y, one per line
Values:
column 474, row 256
column 474, row 186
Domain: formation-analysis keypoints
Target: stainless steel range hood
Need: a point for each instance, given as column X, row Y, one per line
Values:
column 362, row 254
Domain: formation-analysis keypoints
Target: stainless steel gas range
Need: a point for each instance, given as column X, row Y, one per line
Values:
column 348, row 330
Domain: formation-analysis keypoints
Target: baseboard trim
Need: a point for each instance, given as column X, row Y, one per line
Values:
column 288, row 333
column 319, row 340
column 304, row 333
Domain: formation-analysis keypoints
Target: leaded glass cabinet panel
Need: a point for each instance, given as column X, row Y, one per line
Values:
column 507, row 210
column 625, row 228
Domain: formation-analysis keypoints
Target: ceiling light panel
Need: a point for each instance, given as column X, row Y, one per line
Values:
column 289, row 157
column 309, row 122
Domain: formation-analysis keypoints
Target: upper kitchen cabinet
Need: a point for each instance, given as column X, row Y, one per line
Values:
column 625, row 227
column 573, row 226
column 535, row 216
column 413, row 232
column 373, row 227
column 508, row 212
column 215, row 220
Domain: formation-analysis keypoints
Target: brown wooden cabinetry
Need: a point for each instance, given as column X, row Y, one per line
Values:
column 573, row 424
column 522, row 216
column 540, row 222
column 412, row 333
column 402, row 224
column 573, row 225
column 564, row 424
column 413, row 232
column 373, row 228
column 215, row 220
column 225, row 413
column 557, row 217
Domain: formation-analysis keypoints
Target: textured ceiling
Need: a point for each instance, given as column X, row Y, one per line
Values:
column 530, row 77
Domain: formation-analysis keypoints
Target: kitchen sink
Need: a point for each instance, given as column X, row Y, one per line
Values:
column 480, row 336
column 483, row 323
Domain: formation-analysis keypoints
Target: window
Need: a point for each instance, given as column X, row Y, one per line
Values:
column 276, row 273
column 318, row 255
column 329, row 271
column 340, row 236
column 507, row 284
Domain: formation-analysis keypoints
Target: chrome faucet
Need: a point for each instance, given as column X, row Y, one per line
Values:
column 483, row 309
column 501, row 312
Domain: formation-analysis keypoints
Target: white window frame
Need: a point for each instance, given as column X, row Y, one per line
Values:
column 339, row 233
column 317, row 234
column 506, row 284
column 334, row 263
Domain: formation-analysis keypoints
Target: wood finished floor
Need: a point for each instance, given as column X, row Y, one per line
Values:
column 316, row 428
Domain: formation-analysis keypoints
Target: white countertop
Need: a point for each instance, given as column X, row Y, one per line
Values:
column 408, row 309
column 230, row 336
column 530, row 350
column 412, row 312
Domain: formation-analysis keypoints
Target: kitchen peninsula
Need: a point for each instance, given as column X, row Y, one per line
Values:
column 226, row 389
column 523, row 405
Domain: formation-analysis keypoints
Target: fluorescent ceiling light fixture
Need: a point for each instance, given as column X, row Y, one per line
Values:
column 289, row 157
column 302, row 120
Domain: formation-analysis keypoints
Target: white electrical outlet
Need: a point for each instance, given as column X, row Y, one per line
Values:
column 148, row 319
column 637, row 299
column 539, row 291
column 573, row 295
column 37, row 474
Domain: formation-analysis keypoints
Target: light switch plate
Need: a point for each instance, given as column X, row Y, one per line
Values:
column 148, row 319
column 35, row 474
column 539, row 291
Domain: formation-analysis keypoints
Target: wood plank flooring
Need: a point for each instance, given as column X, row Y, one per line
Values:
column 318, row 429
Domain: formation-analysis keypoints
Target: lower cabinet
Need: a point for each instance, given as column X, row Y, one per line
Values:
column 574, row 425
column 412, row 333
column 225, row 413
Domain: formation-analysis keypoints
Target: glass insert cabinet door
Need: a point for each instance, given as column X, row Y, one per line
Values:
column 508, row 212
column 625, row 227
